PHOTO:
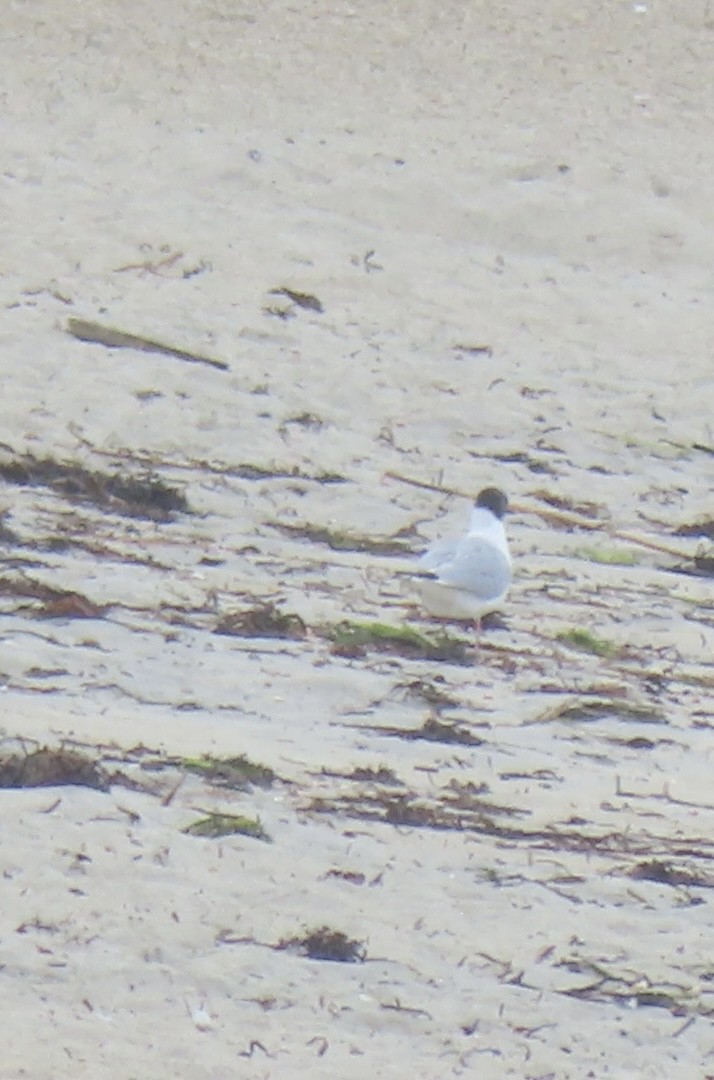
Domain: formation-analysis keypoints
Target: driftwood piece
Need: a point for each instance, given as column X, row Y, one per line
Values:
column 86, row 330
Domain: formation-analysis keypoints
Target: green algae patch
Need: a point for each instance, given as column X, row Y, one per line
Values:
column 233, row 772
column 213, row 826
column 608, row 556
column 356, row 639
column 583, row 641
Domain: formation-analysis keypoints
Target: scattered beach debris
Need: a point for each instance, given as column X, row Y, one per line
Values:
column 238, row 772
column 452, row 812
column 250, row 471
column 369, row 264
column 325, row 944
column 697, row 528
column 580, row 508
column 382, row 775
column 632, row 991
column 473, row 350
column 307, row 420
column 57, row 603
column 699, row 566
column 144, row 495
column 427, row 692
column 300, row 299
column 7, row 535
column 591, row 708
column 163, row 262
column 337, row 540
column 356, row 639
column 49, row 768
column 112, row 338
column 263, row 620
column 214, row 825
column 432, row 730
column 667, row 873
column 468, row 796
column 352, row 877
column 275, row 311
column 71, row 605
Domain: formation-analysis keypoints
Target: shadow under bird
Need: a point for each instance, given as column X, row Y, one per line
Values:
column 469, row 576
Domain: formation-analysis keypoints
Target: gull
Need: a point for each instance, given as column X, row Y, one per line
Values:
column 467, row 577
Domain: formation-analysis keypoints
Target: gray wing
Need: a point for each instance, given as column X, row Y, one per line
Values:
column 475, row 565
column 440, row 553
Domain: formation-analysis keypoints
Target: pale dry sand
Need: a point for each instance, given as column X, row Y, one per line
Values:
column 531, row 178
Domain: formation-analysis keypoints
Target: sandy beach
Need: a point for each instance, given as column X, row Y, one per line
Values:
column 283, row 288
